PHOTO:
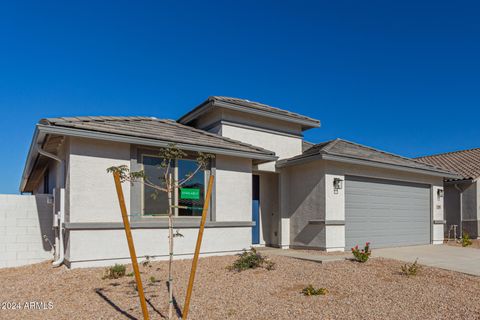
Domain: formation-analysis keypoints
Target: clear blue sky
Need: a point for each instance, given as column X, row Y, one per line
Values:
column 401, row 76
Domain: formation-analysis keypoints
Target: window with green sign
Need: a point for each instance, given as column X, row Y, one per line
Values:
column 190, row 198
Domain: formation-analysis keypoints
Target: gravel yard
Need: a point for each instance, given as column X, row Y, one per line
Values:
column 374, row 290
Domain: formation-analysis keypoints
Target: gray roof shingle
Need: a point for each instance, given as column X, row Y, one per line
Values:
column 252, row 105
column 347, row 149
column 464, row 162
column 153, row 128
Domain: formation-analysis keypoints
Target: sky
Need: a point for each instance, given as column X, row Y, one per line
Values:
column 401, row 76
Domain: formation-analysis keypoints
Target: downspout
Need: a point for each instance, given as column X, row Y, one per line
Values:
column 61, row 216
column 460, row 191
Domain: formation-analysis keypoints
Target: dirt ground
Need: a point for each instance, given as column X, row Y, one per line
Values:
column 475, row 243
column 374, row 290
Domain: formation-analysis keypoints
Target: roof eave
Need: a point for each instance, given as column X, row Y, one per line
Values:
column 38, row 137
column 205, row 107
column 344, row 159
column 152, row 142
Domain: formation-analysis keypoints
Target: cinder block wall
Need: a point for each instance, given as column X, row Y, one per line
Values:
column 24, row 219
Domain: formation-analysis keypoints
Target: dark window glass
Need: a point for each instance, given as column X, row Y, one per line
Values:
column 154, row 203
column 193, row 194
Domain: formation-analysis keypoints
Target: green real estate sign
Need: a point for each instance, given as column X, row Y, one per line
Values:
column 189, row 193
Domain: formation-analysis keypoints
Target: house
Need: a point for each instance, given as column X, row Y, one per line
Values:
column 272, row 188
column 462, row 196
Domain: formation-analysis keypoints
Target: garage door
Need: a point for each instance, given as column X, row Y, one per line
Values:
column 386, row 213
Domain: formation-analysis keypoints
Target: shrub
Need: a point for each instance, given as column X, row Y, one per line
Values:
column 251, row 260
column 465, row 241
column 147, row 262
column 410, row 269
column 115, row 272
column 362, row 255
column 311, row 291
column 153, row 279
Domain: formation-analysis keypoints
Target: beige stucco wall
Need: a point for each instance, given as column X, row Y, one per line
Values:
column 93, row 199
column 269, row 208
column 283, row 146
column 92, row 191
column 305, row 185
column 233, row 189
column 90, row 248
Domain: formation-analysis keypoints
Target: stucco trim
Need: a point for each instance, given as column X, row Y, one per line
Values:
column 192, row 223
column 327, row 222
column 250, row 127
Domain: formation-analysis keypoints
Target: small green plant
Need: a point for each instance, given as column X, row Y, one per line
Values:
column 465, row 241
column 115, row 272
column 147, row 262
column 311, row 291
column 410, row 269
column 362, row 255
column 131, row 274
column 251, row 260
column 153, row 279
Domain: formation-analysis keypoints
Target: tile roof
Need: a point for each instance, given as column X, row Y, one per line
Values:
column 347, row 149
column 252, row 105
column 153, row 128
column 464, row 162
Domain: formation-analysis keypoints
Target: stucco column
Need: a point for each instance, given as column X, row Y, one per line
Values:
column 284, row 221
column 334, row 213
column 438, row 231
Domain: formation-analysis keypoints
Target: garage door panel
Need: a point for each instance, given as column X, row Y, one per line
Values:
column 386, row 213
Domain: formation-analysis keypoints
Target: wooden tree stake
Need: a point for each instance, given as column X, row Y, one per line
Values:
column 197, row 249
column 131, row 248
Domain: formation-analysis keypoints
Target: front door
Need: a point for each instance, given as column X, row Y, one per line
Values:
column 256, row 209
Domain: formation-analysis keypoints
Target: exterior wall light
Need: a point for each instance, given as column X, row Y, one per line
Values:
column 337, row 184
column 440, row 193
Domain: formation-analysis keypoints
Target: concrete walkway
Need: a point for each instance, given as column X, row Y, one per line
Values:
column 305, row 255
column 465, row 260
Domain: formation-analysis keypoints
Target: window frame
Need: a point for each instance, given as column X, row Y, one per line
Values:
column 207, row 172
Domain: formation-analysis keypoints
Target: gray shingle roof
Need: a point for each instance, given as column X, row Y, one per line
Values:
column 347, row 149
column 464, row 162
column 251, row 105
column 153, row 128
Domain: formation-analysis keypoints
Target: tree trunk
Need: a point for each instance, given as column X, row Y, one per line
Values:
column 170, row 246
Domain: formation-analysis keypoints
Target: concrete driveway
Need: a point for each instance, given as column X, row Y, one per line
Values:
column 465, row 260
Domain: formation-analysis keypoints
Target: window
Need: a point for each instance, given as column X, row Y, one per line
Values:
column 190, row 197
column 192, row 193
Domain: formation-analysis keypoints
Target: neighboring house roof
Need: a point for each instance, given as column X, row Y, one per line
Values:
column 464, row 162
column 346, row 151
column 249, row 107
column 137, row 130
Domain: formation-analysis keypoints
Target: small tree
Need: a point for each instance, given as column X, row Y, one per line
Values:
column 168, row 184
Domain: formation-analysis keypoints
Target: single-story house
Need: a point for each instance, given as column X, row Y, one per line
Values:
column 272, row 188
column 462, row 196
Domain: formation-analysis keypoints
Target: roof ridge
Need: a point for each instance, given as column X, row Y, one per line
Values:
column 448, row 153
column 330, row 144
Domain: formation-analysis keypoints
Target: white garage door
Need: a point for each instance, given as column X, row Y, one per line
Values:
column 386, row 213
